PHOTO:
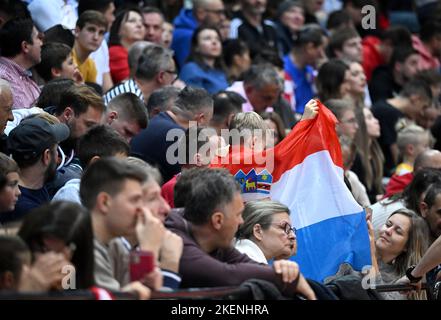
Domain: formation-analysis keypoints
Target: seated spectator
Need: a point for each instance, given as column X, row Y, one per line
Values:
column 14, row 256
column 430, row 115
column 237, row 59
column 13, row 9
column 60, row 34
column 127, row 28
column 80, row 108
column 285, row 105
column 204, row 67
column 153, row 69
column 99, row 142
column 101, row 56
column 357, row 85
column 161, row 100
column 112, row 190
column 199, row 156
column 276, row 126
column 427, row 159
column 169, row 250
column 153, row 23
column 388, row 80
column 394, row 258
column 333, row 80
column 401, row 242
column 346, row 44
column 33, row 145
column 339, row 20
column 344, row 111
column 289, row 20
column 127, row 115
column 377, row 52
column 225, row 105
column 64, row 228
column 261, row 87
column 368, row 164
column 49, row 98
column 6, row 115
column 9, row 177
column 212, row 215
column 20, row 46
column 193, row 106
column 427, row 45
column 411, row 141
column 395, row 113
column 410, row 198
column 266, row 232
column 250, row 26
column 57, row 62
column 167, row 34
column 300, row 64
column 358, row 190
column 89, row 34
column 203, row 12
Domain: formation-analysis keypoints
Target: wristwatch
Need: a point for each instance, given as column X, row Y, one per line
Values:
column 411, row 277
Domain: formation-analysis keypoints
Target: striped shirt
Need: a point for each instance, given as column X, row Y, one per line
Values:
column 126, row 86
column 24, row 90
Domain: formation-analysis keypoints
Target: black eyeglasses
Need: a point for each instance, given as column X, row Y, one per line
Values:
column 174, row 73
column 286, row 227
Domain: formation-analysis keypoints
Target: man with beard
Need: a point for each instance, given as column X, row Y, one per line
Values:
column 211, row 12
column 80, row 108
column 388, row 80
column 33, row 145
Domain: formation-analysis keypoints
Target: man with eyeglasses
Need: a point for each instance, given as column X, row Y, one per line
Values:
column 211, row 12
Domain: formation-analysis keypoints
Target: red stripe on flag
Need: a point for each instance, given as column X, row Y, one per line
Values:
column 307, row 137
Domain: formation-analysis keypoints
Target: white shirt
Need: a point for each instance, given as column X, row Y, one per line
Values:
column 101, row 58
column 251, row 249
column 48, row 13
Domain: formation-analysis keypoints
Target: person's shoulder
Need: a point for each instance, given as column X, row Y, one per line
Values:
column 189, row 67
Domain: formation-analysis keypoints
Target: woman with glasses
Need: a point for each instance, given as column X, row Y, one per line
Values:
column 266, row 232
column 204, row 67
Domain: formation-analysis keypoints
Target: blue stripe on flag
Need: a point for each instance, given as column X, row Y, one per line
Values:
column 346, row 243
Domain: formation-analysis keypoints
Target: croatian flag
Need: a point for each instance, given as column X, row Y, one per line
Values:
column 308, row 179
column 305, row 172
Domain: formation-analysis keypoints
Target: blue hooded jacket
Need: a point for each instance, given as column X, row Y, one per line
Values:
column 185, row 24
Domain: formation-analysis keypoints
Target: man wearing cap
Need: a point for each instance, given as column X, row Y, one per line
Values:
column 33, row 145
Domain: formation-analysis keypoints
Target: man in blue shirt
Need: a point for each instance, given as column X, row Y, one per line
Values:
column 300, row 64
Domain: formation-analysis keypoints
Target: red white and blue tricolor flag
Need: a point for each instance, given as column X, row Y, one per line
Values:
column 307, row 176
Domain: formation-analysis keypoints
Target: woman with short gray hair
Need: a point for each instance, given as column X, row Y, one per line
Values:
column 266, row 232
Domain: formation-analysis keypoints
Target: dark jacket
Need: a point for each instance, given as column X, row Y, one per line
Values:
column 222, row 267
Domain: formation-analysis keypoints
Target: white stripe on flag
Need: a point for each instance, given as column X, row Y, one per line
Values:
column 314, row 191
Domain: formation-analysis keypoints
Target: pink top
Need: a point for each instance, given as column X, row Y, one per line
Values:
column 24, row 90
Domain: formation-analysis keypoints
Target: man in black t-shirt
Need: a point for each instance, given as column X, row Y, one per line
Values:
column 388, row 80
column 397, row 112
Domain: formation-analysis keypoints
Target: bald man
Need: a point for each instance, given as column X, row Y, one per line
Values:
column 210, row 12
column 6, row 102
